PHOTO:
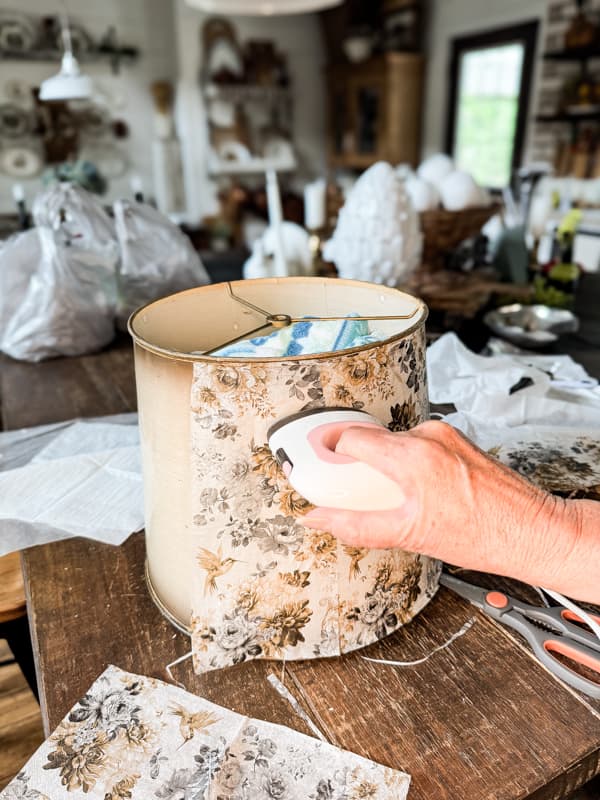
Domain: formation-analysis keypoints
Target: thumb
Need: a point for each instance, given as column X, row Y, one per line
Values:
column 361, row 528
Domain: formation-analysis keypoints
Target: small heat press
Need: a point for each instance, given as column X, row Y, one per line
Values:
column 304, row 445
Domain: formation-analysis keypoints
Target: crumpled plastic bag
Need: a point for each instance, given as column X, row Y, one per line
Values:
column 19, row 256
column 81, row 218
column 63, row 283
column 157, row 259
column 63, row 301
column 556, row 390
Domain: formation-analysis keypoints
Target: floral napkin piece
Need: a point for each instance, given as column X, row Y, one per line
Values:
column 136, row 738
column 264, row 586
column 556, row 459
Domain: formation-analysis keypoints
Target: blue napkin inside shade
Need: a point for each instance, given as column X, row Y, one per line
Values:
column 303, row 338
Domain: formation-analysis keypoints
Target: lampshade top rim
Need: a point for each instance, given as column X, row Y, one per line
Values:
column 420, row 317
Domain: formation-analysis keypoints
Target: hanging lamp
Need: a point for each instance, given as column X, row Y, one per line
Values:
column 70, row 83
column 264, row 8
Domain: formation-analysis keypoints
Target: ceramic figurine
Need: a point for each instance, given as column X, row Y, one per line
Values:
column 377, row 237
column 296, row 247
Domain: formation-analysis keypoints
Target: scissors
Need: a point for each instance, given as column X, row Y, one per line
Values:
column 548, row 631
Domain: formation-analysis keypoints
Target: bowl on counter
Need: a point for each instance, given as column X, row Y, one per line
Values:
column 531, row 326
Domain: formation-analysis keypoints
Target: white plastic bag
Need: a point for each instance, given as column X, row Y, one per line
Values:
column 81, row 219
column 19, row 257
column 156, row 258
column 63, row 302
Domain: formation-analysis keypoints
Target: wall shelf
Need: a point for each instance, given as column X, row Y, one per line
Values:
column 54, row 56
column 253, row 166
column 573, row 119
column 574, row 54
column 241, row 93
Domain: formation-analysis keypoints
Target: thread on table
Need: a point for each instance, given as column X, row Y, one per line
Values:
column 542, row 595
column 287, row 695
column 576, row 609
column 174, row 664
column 456, row 635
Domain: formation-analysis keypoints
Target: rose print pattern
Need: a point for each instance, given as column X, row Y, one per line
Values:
column 560, row 466
column 265, row 586
column 182, row 747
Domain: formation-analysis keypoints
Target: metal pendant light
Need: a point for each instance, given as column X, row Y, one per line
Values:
column 70, row 83
column 257, row 8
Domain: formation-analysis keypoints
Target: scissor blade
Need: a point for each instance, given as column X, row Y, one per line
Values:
column 474, row 594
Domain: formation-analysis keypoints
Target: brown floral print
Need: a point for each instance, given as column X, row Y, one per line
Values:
column 192, row 749
column 265, row 586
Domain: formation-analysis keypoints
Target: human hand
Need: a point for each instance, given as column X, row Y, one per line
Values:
column 460, row 505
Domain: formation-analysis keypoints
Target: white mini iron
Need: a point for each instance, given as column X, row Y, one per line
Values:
column 304, row 445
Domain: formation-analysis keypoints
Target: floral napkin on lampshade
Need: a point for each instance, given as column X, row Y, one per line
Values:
column 263, row 585
column 136, row 738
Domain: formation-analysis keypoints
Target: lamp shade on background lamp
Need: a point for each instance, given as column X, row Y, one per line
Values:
column 254, row 8
column 68, row 84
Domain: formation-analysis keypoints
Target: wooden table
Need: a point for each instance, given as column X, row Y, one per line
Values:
column 479, row 720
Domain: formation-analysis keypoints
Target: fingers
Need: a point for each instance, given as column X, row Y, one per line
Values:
column 398, row 455
column 377, row 529
column 380, row 449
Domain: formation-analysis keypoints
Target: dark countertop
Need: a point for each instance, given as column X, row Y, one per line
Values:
column 584, row 346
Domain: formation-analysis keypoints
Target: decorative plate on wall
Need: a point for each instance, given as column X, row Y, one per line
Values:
column 15, row 122
column 18, row 92
column 21, row 161
column 18, row 33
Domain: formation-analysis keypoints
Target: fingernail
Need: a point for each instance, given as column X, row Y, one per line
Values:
column 315, row 519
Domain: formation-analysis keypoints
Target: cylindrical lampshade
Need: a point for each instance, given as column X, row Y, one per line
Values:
column 228, row 556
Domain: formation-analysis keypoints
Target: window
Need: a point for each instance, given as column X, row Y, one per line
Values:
column 489, row 94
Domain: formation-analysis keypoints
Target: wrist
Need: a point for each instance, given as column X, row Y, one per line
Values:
column 554, row 538
column 575, row 568
column 535, row 531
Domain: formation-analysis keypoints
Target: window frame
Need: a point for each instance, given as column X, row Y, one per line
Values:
column 525, row 33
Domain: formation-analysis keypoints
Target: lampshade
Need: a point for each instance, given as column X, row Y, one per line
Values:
column 69, row 83
column 253, row 8
column 228, row 559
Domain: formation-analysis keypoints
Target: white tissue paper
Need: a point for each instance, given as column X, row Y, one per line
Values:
column 561, row 392
column 70, row 479
column 548, row 431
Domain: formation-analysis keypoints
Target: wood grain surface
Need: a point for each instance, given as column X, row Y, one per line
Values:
column 480, row 720
column 12, row 592
column 20, row 724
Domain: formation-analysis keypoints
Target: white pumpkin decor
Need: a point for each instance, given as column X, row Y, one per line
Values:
column 423, row 195
column 458, row 190
column 377, row 237
column 435, row 168
column 296, row 251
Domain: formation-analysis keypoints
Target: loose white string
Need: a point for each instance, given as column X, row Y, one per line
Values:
column 595, row 628
column 468, row 624
column 283, row 672
column 287, row 695
column 542, row 595
column 173, row 664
